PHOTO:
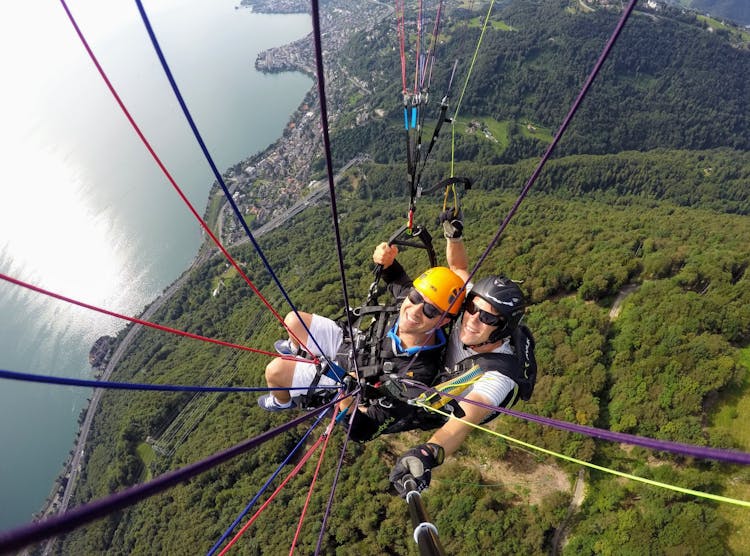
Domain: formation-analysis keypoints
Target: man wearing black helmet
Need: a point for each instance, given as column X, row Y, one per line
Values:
column 488, row 341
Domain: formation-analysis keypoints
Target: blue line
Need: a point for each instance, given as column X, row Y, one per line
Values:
column 275, row 474
column 47, row 379
column 36, row 531
column 406, row 119
column 215, row 170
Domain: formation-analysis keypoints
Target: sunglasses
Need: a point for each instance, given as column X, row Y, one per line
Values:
column 429, row 310
column 484, row 316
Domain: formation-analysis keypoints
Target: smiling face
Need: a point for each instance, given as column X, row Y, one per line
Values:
column 473, row 330
column 412, row 319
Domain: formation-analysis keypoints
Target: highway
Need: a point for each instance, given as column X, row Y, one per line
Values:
column 318, row 190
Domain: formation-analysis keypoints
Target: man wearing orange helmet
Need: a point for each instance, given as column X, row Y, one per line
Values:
column 413, row 327
column 490, row 343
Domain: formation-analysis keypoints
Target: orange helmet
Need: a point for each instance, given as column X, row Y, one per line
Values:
column 441, row 286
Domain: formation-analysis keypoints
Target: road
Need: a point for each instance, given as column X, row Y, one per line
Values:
column 318, row 191
column 575, row 504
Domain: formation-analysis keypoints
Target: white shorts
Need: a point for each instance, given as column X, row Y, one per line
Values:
column 492, row 385
column 329, row 337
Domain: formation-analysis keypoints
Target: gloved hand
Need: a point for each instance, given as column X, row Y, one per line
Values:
column 416, row 464
column 453, row 226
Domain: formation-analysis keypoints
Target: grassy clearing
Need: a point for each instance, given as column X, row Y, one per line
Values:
column 217, row 283
column 146, row 455
column 735, row 32
column 496, row 25
column 734, row 407
column 732, row 418
column 499, row 130
column 533, row 131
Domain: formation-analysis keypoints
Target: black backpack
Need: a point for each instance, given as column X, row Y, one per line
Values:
column 520, row 367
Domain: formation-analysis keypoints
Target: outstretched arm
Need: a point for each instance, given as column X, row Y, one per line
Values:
column 452, row 434
column 418, row 463
column 458, row 260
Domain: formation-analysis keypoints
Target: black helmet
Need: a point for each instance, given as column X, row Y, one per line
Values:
column 506, row 297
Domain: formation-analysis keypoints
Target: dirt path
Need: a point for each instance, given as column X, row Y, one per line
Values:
column 575, row 504
column 614, row 312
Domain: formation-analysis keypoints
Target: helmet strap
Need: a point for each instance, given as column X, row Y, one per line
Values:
column 495, row 336
column 472, row 346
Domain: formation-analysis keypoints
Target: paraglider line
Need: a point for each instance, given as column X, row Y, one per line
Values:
column 703, row 452
column 20, row 537
column 265, row 504
column 556, row 139
column 64, row 381
column 315, row 9
column 667, row 486
column 329, row 505
column 219, row 177
column 163, row 168
column 303, row 513
column 275, row 474
column 135, row 320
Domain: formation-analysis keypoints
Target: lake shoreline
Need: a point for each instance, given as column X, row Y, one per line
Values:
column 65, row 483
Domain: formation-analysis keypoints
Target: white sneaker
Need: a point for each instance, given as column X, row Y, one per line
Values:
column 284, row 347
column 270, row 403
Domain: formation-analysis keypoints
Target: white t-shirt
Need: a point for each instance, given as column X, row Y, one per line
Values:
column 493, row 385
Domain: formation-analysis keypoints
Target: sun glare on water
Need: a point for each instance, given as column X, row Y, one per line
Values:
column 53, row 235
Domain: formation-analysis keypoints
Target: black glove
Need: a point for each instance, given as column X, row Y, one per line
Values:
column 416, row 465
column 453, row 226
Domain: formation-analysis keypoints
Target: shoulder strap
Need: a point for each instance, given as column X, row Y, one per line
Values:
column 521, row 367
column 366, row 343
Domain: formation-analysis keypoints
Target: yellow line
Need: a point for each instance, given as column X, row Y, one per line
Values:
column 466, row 83
column 667, row 486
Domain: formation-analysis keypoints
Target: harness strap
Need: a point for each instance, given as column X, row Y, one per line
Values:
column 312, row 398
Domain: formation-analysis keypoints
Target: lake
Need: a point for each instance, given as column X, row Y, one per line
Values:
column 85, row 211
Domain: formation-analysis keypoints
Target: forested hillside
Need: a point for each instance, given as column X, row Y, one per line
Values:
column 648, row 195
column 670, row 84
column 648, row 372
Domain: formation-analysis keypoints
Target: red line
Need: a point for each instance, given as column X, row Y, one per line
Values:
column 292, row 473
column 173, row 182
column 327, row 436
column 418, row 47
column 37, row 289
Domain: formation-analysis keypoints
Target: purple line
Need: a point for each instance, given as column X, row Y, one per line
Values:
column 558, row 135
column 19, row 537
column 64, row 381
column 703, row 452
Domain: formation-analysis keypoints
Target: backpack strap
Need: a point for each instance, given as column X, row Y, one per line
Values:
column 365, row 345
column 520, row 367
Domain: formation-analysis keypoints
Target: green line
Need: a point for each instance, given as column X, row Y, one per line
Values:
column 466, row 83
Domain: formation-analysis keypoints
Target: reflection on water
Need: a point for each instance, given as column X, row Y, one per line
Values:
column 84, row 211
column 60, row 241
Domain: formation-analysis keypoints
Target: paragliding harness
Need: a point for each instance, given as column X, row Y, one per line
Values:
column 366, row 345
column 370, row 325
column 373, row 362
column 378, row 365
column 520, row 367
column 314, row 398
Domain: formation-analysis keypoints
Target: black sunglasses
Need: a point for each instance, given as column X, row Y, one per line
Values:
column 484, row 316
column 429, row 310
